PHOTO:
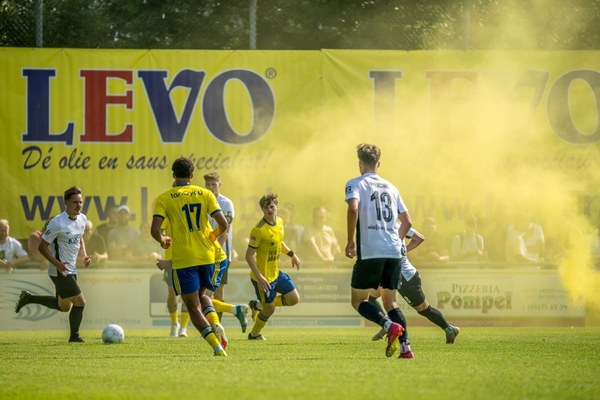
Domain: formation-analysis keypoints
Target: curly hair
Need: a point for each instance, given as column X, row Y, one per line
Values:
column 182, row 168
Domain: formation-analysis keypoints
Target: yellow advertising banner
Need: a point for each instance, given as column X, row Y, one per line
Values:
column 461, row 132
column 112, row 122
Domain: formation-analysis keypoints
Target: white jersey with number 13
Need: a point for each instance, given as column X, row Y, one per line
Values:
column 378, row 209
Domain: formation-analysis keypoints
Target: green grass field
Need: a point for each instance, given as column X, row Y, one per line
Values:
column 298, row 363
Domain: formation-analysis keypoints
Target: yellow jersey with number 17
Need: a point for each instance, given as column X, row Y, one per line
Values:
column 267, row 240
column 187, row 208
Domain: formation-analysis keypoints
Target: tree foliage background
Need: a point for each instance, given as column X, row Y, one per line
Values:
column 304, row 24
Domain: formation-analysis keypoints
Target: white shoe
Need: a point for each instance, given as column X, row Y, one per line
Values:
column 182, row 332
column 220, row 332
column 174, row 330
column 379, row 335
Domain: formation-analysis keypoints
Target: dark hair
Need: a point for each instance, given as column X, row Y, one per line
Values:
column 368, row 154
column 268, row 199
column 72, row 191
column 182, row 168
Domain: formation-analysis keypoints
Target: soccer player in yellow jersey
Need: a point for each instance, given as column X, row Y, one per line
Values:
column 273, row 287
column 187, row 208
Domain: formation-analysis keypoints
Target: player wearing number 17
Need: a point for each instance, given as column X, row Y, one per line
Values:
column 187, row 208
column 375, row 210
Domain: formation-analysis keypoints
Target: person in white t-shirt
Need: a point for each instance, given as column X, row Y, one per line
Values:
column 525, row 241
column 468, row 245
column 62, row 243
column 319, row 238
column 375, row 209
column 11, row 250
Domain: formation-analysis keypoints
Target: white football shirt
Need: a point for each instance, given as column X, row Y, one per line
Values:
column 379, row 204
column 226, row 206
column 64, row 236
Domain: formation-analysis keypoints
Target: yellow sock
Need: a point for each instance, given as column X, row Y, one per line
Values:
column 173, row 317
column 221, row 306
column 211, row 338
column 212, row 318
column 258, row 326
column 185, row 319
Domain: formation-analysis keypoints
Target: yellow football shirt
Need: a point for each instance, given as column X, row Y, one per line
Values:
column 267, row 240
column 187, row 209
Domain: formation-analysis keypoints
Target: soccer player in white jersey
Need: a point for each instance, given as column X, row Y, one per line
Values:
column 61, row 244
column 212, row 181
column 411, row 290
column 375, row 209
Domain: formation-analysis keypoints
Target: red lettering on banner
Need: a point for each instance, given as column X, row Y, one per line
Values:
column 96, row 101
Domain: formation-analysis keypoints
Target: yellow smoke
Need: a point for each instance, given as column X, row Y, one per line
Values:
column 486, row 153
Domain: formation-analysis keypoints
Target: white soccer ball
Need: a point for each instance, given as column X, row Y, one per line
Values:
column 113, row 333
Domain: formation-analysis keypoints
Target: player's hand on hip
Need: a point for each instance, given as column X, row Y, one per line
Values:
column 264, row 284
column 62, row 268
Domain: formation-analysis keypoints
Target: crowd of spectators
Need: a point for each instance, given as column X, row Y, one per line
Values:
column 516, row 239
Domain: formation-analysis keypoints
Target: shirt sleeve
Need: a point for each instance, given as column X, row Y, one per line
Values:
column 51, row 231
column 351, row 190
column 254, row 238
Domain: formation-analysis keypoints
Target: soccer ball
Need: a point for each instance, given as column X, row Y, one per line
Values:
column 113, row 333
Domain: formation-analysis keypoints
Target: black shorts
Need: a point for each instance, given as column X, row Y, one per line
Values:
column 412, row 291
column 66, row 286
column 376, row 272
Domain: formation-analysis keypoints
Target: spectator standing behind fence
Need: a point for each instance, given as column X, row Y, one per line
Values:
column 143, row 247
column 110, row 223
column 518, row 235
column 320, row 241
column 95, row 246
column 293, row 229
column 11, row 250
column 291, row 234
column 434, row 249
column 122, row 237
column 33, row 242
column 533, row 235
column 469, row 244
column 494, row 233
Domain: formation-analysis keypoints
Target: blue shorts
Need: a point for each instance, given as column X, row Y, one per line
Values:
column 220, row 271
column 283, row 284
column 191, row 279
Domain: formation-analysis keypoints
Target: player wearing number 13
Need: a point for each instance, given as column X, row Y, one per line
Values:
column 187, row 208
column 375, row 209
